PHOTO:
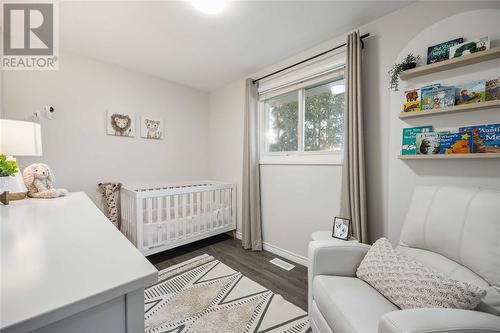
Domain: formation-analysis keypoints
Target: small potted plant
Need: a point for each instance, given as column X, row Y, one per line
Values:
column 409, row 62
column 7, row 169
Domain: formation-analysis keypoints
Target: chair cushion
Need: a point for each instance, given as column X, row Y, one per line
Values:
column 409, row 284
column 349, row 304
column 459, row 223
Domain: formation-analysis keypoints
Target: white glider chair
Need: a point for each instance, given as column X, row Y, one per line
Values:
column 452, row 230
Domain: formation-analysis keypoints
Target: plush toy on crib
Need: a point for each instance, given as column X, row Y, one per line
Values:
column 108, row 191
column 38, row 179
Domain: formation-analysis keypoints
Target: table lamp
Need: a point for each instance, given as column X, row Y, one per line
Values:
column 19, row 138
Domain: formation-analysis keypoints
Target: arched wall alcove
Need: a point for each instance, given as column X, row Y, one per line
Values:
column 405, row 175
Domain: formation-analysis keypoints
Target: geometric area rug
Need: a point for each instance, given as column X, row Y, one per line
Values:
column 202, row 295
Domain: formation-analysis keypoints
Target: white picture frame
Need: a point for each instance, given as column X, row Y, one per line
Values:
column 152, row 127
column 120, row 124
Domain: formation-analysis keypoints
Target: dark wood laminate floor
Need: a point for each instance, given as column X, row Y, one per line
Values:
column 292, row 285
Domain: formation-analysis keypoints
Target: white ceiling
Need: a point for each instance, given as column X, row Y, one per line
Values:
column 172, row 40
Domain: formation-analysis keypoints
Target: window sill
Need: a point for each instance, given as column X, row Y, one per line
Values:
column 313, row 159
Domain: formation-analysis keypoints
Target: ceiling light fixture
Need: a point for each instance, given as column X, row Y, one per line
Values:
column 209, row 6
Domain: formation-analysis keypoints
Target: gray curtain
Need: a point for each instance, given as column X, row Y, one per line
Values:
column 353, row 193
column 251, row 225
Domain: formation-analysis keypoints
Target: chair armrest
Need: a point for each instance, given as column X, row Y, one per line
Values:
column 438, row 320
column 333, row 257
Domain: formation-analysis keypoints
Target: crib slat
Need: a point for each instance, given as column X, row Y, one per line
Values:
column 169, row 217
column 211, row 209
column 150, row 221
column 176, row 216
column 198, row 212
column 191, row 213
column 159, row 201
column 217, row 207
column 206, row 217
column 224, row 207
column 132, row 219
column 184, row 214
column 126, row 208
column 139, row 221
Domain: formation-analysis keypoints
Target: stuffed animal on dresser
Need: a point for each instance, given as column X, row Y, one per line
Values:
column 39, row 179
column 108, row 191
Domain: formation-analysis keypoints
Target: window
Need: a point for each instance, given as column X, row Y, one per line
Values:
column 282, row 117
column 304, row 126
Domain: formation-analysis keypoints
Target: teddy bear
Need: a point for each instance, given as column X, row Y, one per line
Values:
column 38, row 179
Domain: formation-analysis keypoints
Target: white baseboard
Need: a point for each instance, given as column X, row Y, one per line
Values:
column 294, row 257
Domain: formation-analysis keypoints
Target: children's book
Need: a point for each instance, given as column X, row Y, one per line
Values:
column 446, row 97
column 441, row 51
column 472, row 92
column 456, row 143
column 409, row 146
column 486, row 138
column 412, row 101
column 473, row 46
column 429, row 93
column 427, row 143
column 493, row 89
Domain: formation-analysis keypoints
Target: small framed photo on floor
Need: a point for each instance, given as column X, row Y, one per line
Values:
column 341, row 227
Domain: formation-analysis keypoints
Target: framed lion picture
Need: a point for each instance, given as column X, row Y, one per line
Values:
column 152, row 127
column 120, row 124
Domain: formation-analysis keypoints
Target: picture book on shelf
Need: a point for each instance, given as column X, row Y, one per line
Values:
column 412, row 101
column 441, row 51
column 472, row 92
column 486, row 138
column 445, row 97
column 409, row 145
column 436, row 96
column 427, row 95
column 473, row 46
column 427, row 143
column 456, row 143
column 493, row 90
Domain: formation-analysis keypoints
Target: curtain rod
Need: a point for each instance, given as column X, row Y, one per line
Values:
column 306, row 60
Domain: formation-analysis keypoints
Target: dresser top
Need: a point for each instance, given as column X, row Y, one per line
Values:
column 62, row 256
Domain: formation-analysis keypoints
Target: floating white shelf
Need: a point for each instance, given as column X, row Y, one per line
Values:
column 470, row 59
column 448, row 156
column 451, row 109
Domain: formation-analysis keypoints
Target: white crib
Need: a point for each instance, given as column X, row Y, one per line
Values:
column 159, row 218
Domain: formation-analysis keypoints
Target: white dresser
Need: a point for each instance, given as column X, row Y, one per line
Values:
column 66, row 268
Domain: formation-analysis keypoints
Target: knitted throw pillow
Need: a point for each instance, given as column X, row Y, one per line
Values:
column 409, row 284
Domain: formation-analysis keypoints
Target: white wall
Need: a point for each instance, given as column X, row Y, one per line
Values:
column 296, row 201
column 226, row 137
column 408, row 174
column 75, row 143
column 1, row 94
column 389, row 36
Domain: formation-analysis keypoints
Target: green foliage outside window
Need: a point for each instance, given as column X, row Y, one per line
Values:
column 285, row 121
column 323, row 123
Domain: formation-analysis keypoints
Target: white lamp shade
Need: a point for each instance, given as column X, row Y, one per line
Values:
column 20, row 138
